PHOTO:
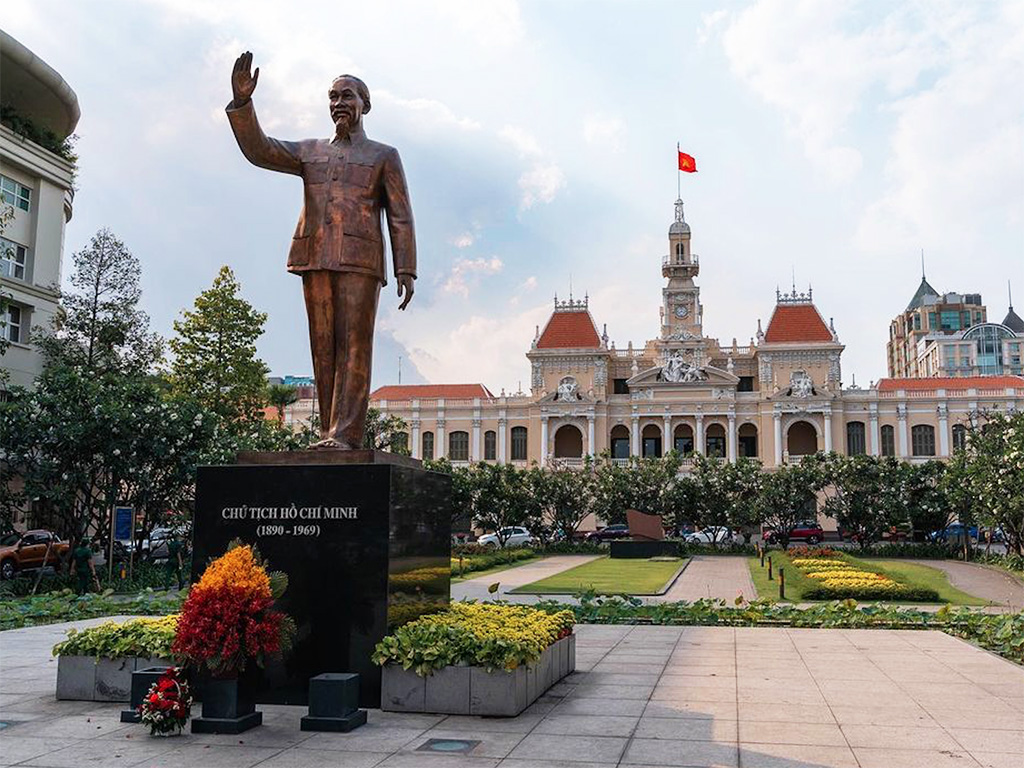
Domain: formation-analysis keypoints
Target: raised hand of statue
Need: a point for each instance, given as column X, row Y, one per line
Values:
column 243, row 81
column 405, row 285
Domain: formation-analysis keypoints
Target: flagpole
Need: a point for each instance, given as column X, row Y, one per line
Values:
column 679, row 176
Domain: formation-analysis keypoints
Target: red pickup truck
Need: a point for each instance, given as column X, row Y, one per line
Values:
column 812, row 533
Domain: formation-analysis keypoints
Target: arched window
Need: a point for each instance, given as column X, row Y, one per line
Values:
column 888, row 440
column 922, row 440
column 568, row 442
column 856, row 444
column 428, row 445
column 680, row 250
column 959, row 437
column 458, row 446
column 490, row 445
column 715, row 441
column 518, row 443
column 651, row 442
column 619, row 439
column 683, row 439
column 747, row 440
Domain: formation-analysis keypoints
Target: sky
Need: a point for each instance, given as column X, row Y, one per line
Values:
column 834, row 140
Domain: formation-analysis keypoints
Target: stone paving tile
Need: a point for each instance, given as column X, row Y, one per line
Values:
column 785, row 713
column 717, row 729
column 911, row 715
column 618, row 707
column 612, row 691
column 767, row 732
column 365, row 739
column 588, row 725
column 14, row 748
column 194, row 755
column 881, row 757
column 973, row 740
column 312, row 758
column 674, row 752
column 514, row 762
column 796, row 756
column 959, row 718
column 491, row 744
column 725, row 710
column 899, row 737
column 571, row 748
column 997, row 760
column 426, row 760
column 102, row 754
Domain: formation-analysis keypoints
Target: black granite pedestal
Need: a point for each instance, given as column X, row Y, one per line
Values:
column 364, row 536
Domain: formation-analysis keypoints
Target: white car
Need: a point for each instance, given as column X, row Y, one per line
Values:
column 717, row 534
column 514, row 536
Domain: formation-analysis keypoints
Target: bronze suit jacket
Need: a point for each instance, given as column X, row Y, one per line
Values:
column 347, row 185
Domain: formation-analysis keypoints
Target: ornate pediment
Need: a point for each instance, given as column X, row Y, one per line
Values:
column 704, row 377
column 568, row 393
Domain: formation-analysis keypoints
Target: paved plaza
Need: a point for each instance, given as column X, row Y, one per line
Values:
column 642, row 696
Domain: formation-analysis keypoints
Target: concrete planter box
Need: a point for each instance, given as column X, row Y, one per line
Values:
column 85, row 678
column 474, row 690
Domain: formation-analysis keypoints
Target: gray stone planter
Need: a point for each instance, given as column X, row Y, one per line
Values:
column 474, row 690
column 85, row 678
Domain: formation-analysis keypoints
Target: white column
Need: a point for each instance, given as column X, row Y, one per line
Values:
column 416, row 449
column 666, row 435
column 590, row 436
column 876, row 438
column 543, row 440
column 440, row 444
column 901, row 414
column 475, row 455
column 828, row 430
column 943, row 430
column 731, row 438
column 502, row 433
column 634, row 448
column 778, row 439
column 698, row 436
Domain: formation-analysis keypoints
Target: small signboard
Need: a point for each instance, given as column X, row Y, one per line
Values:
column 124, row 521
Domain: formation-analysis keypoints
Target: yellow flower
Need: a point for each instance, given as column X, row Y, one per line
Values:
column 237, row 568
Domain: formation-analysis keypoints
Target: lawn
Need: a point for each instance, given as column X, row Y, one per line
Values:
column 610, row 577
column 909, row 573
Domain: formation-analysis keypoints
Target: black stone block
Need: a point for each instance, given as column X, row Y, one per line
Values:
column 142, row 681
column 227, row 724
column 366, row 548
column 629, row 548
column 333, row 694
column 342, row 724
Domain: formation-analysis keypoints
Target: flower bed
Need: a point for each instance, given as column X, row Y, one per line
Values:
column 96, row 664
column 839, row 578
column 481, row 659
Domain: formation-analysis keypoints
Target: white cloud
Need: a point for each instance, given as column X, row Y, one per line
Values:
column 524, row 142
column 540, row 184
column 529, row 284
column 603, row 131
column 463, row 240
column 427, row 110
column 464, row 271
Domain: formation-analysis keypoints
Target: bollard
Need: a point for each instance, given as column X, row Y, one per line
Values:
column 762, row 556
column 770, row 570
column 782, row 583
column 462, row 570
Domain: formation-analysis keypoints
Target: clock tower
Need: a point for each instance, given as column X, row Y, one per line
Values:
column 681, row 311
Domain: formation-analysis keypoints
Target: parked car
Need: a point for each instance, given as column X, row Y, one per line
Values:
column 807, row 531
column 953, row 532
column 608, row 533
column 21, row 551
column 514, row 536
column 713, row 534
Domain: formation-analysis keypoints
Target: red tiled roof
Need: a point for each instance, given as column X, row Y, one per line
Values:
column 569, row 330
column 430, row 392
column 796, row 322
column 964, row 382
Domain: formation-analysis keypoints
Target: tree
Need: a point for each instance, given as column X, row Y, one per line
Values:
column 99, row 327
column 215, row 354
column 743, row 482
column 723, row 493
column 787, row 495
column 281, row 396
column 501, row 499
column 642, row 484
column 385, row 433
column 995, row 465
column 463, row 490
column 865, row 495
column 564, row 498
column 927, row 507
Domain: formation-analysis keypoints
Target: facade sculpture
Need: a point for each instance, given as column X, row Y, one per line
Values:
column 338, row 246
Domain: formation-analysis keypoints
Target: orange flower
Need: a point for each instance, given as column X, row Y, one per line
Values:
column 239, row 569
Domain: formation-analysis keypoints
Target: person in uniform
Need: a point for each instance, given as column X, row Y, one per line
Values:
column 85, row 570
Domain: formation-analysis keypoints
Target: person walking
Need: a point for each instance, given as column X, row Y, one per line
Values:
column 175, row 562
column 84, row 567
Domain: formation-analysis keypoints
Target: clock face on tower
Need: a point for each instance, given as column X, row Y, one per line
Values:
column 681, row 311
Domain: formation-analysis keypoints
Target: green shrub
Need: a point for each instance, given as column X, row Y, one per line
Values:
column 55, row 607
column 490, row 635
column 148, row 638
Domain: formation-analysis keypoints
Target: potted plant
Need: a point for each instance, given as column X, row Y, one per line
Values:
column 168, row 704
column 227, row 621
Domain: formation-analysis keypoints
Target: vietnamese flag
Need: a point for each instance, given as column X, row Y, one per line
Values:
column 687, row 163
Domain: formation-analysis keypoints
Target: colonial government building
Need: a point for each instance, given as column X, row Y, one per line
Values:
column 778, row 398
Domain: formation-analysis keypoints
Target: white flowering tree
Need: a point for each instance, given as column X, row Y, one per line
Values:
column 995, row 467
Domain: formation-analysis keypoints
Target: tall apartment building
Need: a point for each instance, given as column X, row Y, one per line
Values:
column 36, row 187
column 949, row 336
